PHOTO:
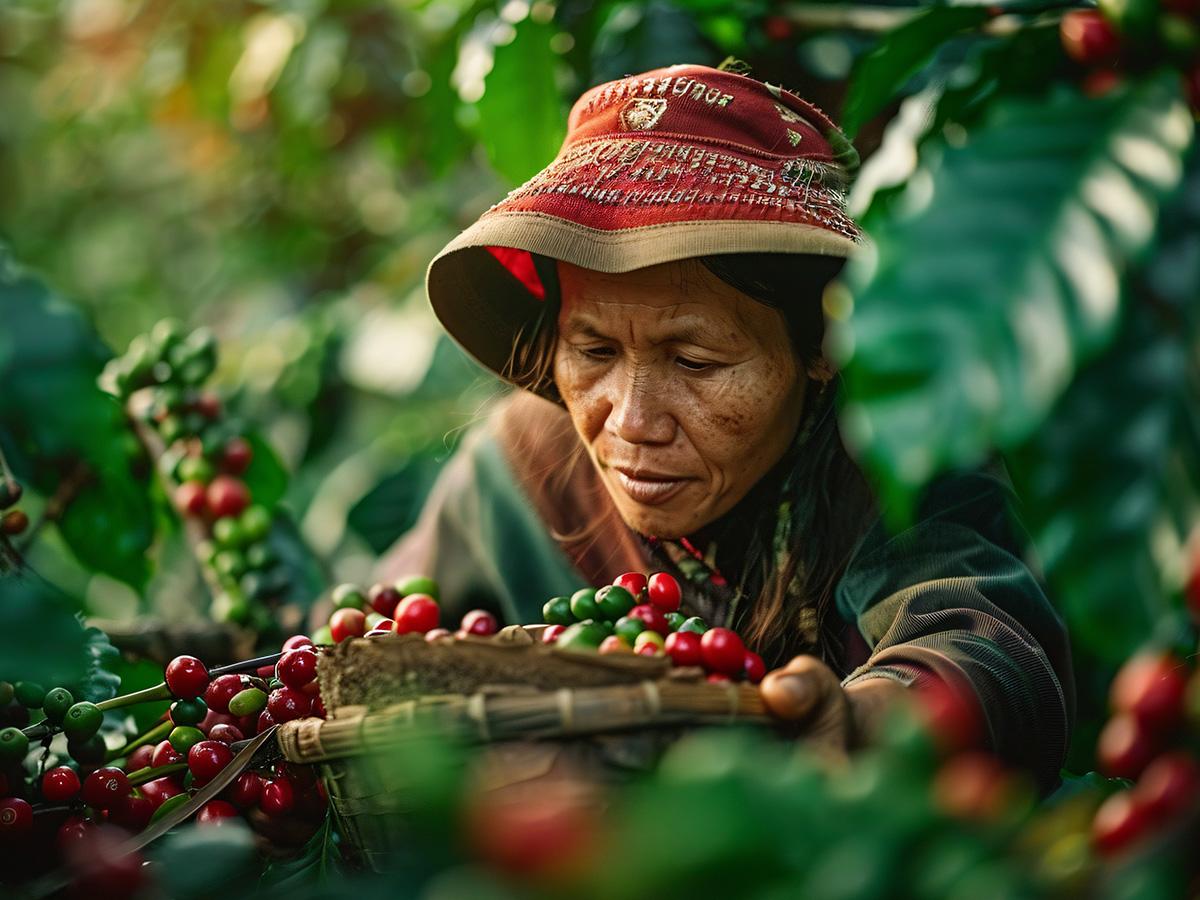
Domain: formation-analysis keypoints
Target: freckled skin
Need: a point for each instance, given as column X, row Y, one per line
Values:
column 668, row 369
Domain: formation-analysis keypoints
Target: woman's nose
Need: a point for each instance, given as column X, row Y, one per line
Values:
column 640, row 410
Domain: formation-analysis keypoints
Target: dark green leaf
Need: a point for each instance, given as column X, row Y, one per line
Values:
column 40, row 638
column 199, row 861
column 392, row 506
column 997, row 273
column 266, row 477
column 68, row 427
column 521, row 115
column 1100, row 476
column 901, row 53
column 100, row 680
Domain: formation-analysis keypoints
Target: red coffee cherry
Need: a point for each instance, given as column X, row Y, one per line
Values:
column 1120, row 822
column 663, row 591
column 160, row 790
column 246, row 790
column 206, row 760
column 214, row 812
column 634, row 582
column 723, row 651
column 16, row 817
column 684, row 648
column 221, row 690
column 187, row 677
column 297, row 641
column 753, row 667
column 296, row 668
column 1125, row 747
column 191, row 498
column 346, row 623
column 236, row 456
column 165, row 755
column 60, row 785
column 1151, row 686
column 1169, row 786
column 417, row 613
column 1088, row 37
column 655, row 618
column 384, row 598
column 105, row 788
column 278, row 797
column 480, row 622
column 285, row 704
column 227, row 496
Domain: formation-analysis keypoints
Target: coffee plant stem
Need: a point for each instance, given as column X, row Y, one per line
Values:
column 141, row 776
column 247, row 665
column 158, row 692
column 155, row 734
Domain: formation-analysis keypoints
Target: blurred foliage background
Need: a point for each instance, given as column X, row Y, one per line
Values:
column 283, row 172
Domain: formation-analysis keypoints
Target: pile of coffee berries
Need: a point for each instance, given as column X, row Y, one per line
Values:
column 636, row 614
column 61, row 767
column 408, row 605
column 12, row 521
column 1150, row 740
column 206, row 454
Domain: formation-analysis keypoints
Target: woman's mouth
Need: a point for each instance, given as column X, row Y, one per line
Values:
column 649, row 488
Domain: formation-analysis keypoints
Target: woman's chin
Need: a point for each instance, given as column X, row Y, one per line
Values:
column 660, row 521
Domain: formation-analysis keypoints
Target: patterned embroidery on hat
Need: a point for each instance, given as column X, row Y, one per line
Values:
column 642, row 113
column 793, row 137
column 644, row 171
column 788, row 115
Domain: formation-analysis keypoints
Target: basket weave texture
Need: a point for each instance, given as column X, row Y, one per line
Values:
column 536, row 703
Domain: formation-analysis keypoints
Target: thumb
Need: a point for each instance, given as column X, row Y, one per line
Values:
column 801, row 687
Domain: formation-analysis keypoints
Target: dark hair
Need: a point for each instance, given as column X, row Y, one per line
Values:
column 830, row 502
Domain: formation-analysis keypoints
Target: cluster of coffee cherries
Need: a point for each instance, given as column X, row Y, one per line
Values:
column 409, row 605
column 1155, row 702
column 636, row 614
column 211, row 714
column 205, row 458
column 13, row 521
column 1120, row 35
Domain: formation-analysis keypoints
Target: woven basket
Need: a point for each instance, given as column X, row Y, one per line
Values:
column 538, row 705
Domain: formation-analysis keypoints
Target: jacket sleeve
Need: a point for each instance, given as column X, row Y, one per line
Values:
column 951, row 598
column 482, row 541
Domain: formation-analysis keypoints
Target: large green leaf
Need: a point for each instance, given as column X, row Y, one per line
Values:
column 1114, row 467
column 521, row 116
column 997, row 273
column 68, row 428
column 902, row 53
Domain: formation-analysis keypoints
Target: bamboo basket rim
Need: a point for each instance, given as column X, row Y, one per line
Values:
column 506, row 714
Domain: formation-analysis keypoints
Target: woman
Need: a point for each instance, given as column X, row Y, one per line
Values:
column 656, row 292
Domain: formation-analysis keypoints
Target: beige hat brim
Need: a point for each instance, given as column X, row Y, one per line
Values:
column 484, row 307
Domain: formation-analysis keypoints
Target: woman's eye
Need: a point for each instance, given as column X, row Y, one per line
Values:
column 692, row 365
column 598, row 353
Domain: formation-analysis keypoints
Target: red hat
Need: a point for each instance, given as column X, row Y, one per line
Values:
column 675, row 163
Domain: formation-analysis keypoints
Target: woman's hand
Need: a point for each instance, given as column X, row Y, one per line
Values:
column 810, row 694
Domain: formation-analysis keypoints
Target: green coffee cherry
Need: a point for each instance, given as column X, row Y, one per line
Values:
column 30, row 694
column 188, row 712
column 13, row 745
column 557, row 611
column 247, row 702
column 82, row 721
column 56, row 703
column 583, row 604
column 348, row 596
column 184, row 737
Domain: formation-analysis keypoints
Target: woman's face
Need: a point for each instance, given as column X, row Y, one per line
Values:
column 684, row 390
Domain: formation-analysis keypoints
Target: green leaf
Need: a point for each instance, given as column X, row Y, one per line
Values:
column 318, row 864
column 997, row 273
column 521, row 115
column 900, row 54
column 266, row 477
column 100, row 680
column 1102, row 476
column 199, row 861
column 49, row 359
column 40, row 637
